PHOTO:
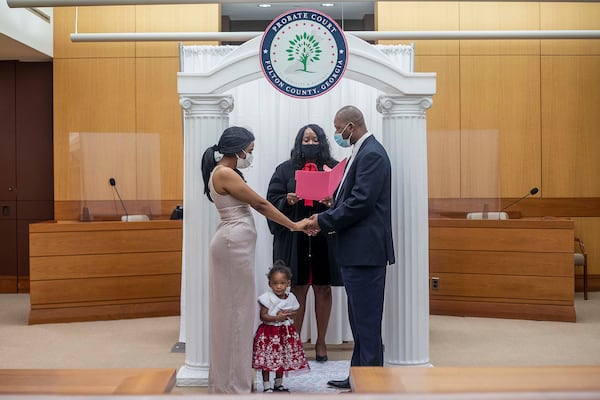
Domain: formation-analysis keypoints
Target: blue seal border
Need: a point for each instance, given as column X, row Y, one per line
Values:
column 322, row 87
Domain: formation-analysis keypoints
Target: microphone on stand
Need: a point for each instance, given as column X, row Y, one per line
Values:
column 533, row 191
column 113, row 183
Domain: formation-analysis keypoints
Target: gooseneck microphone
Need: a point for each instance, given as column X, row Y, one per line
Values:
column 113, row 183
column 530, row 193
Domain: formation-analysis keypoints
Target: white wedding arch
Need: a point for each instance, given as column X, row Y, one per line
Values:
column 233, row 91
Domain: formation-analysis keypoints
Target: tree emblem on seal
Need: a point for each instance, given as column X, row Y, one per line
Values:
column 304, row 48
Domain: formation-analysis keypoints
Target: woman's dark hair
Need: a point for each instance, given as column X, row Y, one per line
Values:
column 324, row 154
column 233, row 140
column 279, row 266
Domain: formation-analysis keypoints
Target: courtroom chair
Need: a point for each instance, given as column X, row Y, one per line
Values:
column 581, row 261
column 487, row 215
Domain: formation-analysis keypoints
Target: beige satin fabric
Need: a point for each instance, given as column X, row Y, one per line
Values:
column 232, row 297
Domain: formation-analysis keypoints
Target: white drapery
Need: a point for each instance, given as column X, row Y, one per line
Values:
column 275, row 120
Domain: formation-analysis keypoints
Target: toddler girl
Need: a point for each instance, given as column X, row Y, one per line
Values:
column 277, row 345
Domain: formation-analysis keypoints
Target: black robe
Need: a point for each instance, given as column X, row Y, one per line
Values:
column 292, row 247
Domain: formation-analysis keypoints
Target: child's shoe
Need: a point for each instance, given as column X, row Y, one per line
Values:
column 268, row 390
column 280, row 388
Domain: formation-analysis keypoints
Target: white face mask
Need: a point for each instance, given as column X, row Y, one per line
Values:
column 244, row 162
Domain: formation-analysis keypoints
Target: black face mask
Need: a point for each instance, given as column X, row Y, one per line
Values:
column 310, row 151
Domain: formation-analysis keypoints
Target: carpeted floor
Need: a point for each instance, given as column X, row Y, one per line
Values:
column 147, row 343
column 314, row 381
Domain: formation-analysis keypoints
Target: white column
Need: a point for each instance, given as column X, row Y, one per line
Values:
column 205, row 118
column 406, row 313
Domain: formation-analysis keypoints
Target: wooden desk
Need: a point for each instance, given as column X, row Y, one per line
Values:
column 474, row 379
column 88, row 271
column 87, row 381
column 505, row 269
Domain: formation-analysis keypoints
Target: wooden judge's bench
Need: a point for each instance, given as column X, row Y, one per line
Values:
column 515, row 268
column 89, row 271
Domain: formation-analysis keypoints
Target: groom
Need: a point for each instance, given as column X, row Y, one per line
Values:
column 361, row 224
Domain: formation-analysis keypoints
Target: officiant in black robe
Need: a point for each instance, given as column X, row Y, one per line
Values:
column 309, row 257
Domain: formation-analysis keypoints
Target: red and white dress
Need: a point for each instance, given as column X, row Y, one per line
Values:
column 277, row 345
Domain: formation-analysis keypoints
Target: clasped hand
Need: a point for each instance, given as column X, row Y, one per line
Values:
column 310, row 225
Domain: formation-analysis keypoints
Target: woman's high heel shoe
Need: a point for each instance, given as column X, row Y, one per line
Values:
column 321, row 358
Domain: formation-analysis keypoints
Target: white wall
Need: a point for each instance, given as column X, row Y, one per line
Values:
column 26, row 28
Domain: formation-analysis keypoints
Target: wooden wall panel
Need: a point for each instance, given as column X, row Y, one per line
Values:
column 443, row 126
column 570, row 15
column 57, row 291
column 117, row 241
column 480, row 164
column 90, row 96
column 158, row 112
column 95, row 95
column 481, row 287
column 420, row 16
column 121, row 88
column 500, row 100
column 570, row 120
column 105, row 155
column 522, row 239
column 92, row 20
column 504, row 263
column 106, row 265
column 483, row 16
column 174, row 18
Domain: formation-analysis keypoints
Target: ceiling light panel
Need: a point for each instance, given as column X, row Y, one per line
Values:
column 253, row 11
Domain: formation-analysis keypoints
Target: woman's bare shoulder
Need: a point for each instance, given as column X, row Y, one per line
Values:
column 225, row 179
column 222, row 171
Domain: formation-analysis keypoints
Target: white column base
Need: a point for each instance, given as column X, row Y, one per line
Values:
column 192, row 376
column 426, row 364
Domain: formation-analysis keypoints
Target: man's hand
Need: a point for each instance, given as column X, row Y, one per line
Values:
column 312, row 228
column 327, row 201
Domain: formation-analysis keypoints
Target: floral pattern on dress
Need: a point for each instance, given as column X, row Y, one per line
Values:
column 278, row 348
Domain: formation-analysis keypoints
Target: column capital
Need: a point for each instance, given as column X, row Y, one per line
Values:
column 403, row 106
column 209, row 104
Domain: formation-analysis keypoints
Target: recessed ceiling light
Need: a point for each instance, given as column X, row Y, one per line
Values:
column 327, row 4
column 264, row 5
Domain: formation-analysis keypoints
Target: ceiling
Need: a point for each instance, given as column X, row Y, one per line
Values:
column 339, row 10
column 11, row 49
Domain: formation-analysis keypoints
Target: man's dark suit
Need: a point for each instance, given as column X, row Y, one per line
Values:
column 361, row 220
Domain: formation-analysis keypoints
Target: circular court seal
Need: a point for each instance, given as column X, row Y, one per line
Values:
column 303, row 53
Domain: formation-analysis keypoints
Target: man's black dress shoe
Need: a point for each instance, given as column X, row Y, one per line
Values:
column 321, row 358
column 343, row 384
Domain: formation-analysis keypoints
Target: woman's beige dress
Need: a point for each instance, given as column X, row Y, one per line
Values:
column 232, row 296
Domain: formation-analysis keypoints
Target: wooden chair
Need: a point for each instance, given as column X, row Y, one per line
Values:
column 581, row 261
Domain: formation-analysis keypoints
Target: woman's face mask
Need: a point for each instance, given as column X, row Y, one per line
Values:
column 244, row 162
column 310, row 151
column 339, row 138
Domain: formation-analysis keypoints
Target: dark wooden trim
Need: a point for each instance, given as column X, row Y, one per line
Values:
column 529, row 207
column 8, row 284
column 23, row 284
